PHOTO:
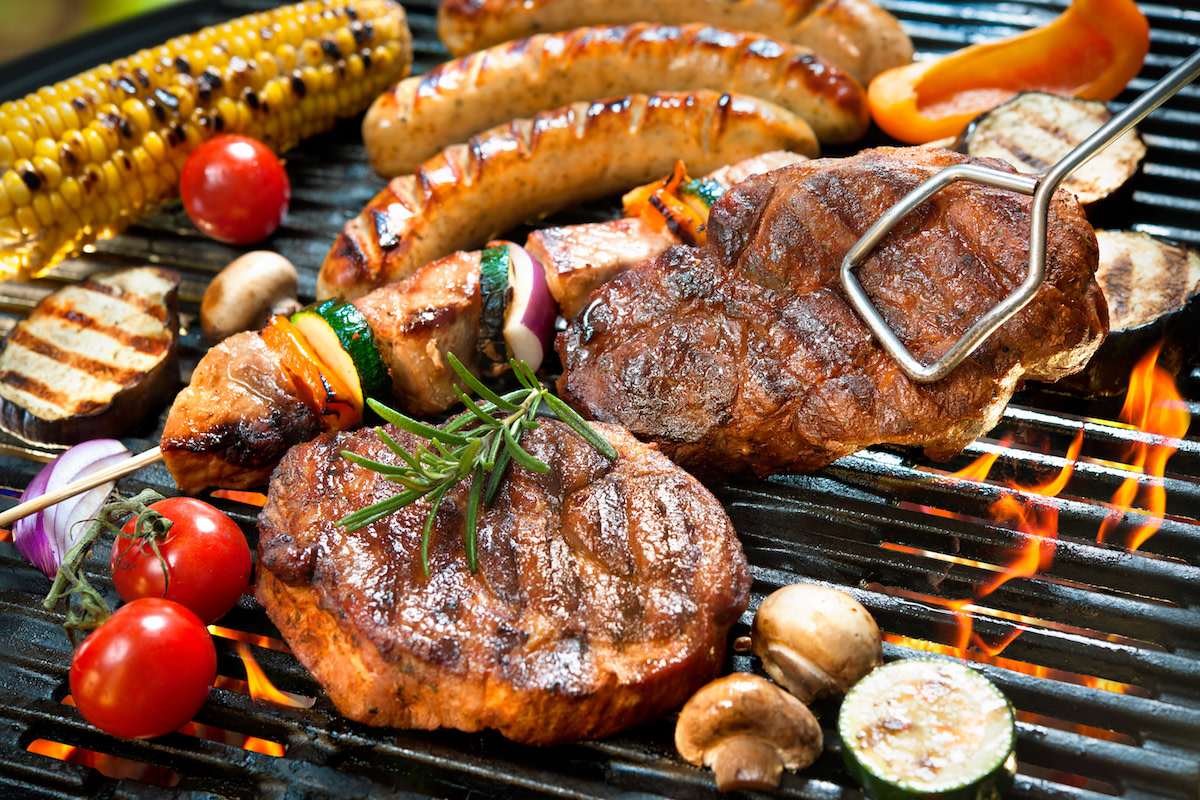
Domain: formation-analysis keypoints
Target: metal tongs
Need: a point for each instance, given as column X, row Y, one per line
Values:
column 1040, row 185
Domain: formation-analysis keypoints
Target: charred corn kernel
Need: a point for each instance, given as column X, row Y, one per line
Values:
column 81, row 159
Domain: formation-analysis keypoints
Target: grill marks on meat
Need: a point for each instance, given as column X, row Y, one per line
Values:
column 745, row 357
column 604, row 594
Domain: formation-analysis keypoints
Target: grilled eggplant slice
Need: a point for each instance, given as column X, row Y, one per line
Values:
column 1034, row 130
column 1151, row 287
column 92, row 358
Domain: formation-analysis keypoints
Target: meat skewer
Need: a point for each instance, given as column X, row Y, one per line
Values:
column 577, row 258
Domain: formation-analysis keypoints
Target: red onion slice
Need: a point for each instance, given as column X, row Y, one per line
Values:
column 44, row 537
column 531, row 313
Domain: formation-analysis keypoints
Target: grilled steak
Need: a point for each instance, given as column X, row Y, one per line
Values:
column 92, row 357
column 604, row 593
column 744, row 356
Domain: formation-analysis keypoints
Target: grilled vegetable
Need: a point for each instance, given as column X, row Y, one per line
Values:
column 674, row 204
column 518, row 313
column 748, row 730
column 1092, row 50
column 815, row 640
column 92, row 357
column 1151, row 287
column 1034, row 130
column 921, row 728
column 493, row 292
column 343, row 340
column 44, row 537
column 83, row 158
column 320, row 388
column 245, row 295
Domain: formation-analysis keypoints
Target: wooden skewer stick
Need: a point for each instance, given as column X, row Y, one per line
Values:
column 115, row 472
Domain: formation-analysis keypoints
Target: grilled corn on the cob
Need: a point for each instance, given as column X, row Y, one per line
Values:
column 83, row 158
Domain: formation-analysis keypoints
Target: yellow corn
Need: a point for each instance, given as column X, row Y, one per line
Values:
column 82, row 159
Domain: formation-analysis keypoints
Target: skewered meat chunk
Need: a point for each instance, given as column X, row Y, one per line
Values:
column 604, row 593
column 746, row 357
column 241, row 412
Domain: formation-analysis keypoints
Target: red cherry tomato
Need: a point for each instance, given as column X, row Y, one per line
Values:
column 235, row 189
column 146, row 671
column 207, row 558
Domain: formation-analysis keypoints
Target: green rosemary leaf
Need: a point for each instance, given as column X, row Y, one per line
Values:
column 525, row 375
column 479, row 387
column 375, row 466
column 377, row 511
column 472, row 517
column 481, row 443
column 418, row 428
column 520, row 455
column 497, row 474
column 481, row 414
column 396, row 447
column 578, row 424
column 427, row 531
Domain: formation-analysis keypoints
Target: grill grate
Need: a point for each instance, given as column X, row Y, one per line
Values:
column 900, row 533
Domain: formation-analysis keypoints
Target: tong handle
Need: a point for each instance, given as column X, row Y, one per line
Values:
column 1042, row 188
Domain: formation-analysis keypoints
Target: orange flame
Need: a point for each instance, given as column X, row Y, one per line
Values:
column 1153, row 405
column 261, row 687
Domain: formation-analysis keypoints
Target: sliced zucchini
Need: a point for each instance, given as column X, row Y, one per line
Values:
column 343, row 340
column 707, row 190
column 1151, row 287
column 494, row 291
column 1034, row 130
column 929, row 729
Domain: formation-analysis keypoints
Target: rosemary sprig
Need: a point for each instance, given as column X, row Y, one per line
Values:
column 479, row 443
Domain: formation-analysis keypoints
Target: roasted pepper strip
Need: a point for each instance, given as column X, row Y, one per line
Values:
column 1091, row 50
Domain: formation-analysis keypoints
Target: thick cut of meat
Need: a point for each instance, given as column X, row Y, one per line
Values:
column 604, row 593
column 235, row 419
column 418, row 321
column 746, row 357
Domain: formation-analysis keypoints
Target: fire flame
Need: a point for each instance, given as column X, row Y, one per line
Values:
column 257, row 685
column 1154, row 407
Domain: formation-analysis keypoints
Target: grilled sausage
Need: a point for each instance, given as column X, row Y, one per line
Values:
column 419, row 116
column 471, row 192
column 857, row 35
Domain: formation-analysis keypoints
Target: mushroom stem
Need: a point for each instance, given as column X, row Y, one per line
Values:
column 745, row 762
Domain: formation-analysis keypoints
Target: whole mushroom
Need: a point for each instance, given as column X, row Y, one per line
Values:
column 814, row 640
column 747, row 730
column 247, row 292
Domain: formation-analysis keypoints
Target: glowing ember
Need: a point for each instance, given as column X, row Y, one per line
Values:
column 109, row 766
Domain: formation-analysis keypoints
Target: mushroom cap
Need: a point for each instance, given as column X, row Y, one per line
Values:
column 246, row 292
column 747, row 729
column 814, row 640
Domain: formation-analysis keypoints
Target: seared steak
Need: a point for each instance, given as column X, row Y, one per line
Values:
column 745, row 356
column 604, row 593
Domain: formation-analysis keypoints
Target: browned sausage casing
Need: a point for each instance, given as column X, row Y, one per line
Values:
column 419, row 116
column 857, row 35
column 472, row 192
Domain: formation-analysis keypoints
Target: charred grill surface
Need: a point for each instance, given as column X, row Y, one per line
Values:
column 603, row 596
column 745, row 357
